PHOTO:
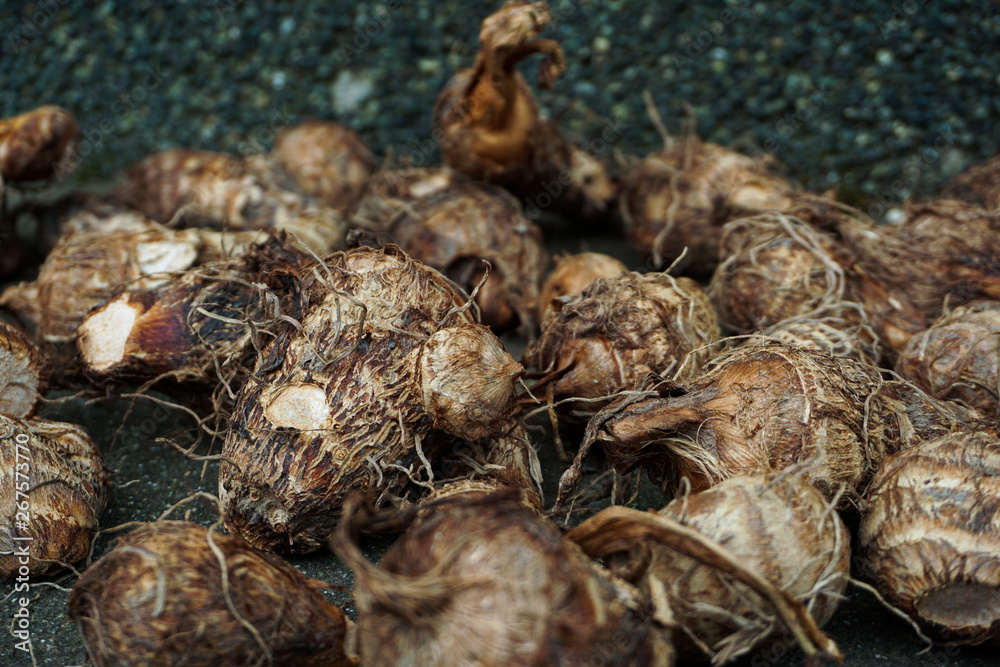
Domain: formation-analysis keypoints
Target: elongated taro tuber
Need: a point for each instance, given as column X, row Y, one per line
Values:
column 776, row 524
column 488, row 126
column 24, row 373
column 930, row 536
column 172, row 592
column 455, row 229
column 55, row 487
column 618, row 331
column 484, row 581
column 386, row 365
column 38, row 145
column 572, row 275
column 958, row 357
column 767, row 405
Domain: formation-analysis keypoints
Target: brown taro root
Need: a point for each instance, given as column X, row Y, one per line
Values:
column 943, row 250
column 38, row 145
column 325, row 160
column 392, row 192
column 172, row 593
column 85, row 269
column 454, row 230
column 618, row 331
column 930, row 536
column 201, row 188
column 572, row 274
column 958, row 357
column 768, row 405
column 54, row 488
column 201, row 325
column 386, row 366
column 680, row 198
column 828, row 330
column 488, row 126
column 776, row 524
column 482, row 580
column 979, row 185
column 24, row 373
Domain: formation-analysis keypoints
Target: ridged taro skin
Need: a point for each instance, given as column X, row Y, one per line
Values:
column 482, row 580
column 159, row 598
column 389, row 365
column 24, row 373
column 571, row 275
column 779, row 525
column 930, row 536
column 768, row 405
column 958, row 357
column 65, row 485
column 619, row 330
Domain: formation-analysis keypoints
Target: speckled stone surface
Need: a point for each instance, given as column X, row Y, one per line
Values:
column 878, row 99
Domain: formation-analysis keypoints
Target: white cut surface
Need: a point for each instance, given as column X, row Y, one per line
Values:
column 104, row 334
column 299, row 406
column 165, row 256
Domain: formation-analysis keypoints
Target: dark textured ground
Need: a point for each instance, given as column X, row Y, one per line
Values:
column 878, row 100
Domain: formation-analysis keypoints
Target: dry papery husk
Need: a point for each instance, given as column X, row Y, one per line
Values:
column 828, row 330
column 173, row 592
column 325, row 160
column 38, row 145
column 680, row 197
column 930, row 536
column 979, row 185
column 768, row 405
column 24, row 373
column 204, row 324
column 616, row 332
column 572, row 274
column 488, row 125
column 386, row 365
column 482, row 580
column 774, row 524
column 943, row 249
column 202, row 188
column 777, row 267
column 958, row 357
column 86, row 268
column 456, row 229
column 56, row 482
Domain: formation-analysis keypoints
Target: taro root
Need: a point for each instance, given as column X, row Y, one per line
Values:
column 481, row 580
column 680, row 198
column 85, row 269
column 618, row 331
column 767, row 405
column 325, row 160
column 54, row 488
column 930, row 536
column 385, row 366
column 488, row 126
column 391, row 193
column 201, row 188
column 573, row 274
column 776, row 524
column 828, row 330
column 958, row 357
column 24, row 373
column 201, row 325
column 38, row 145
column 172, row 592
column 979, row 185
column 456, row 229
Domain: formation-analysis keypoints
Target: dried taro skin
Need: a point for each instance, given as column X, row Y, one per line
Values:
column 389, row 365
column 24, row 373
column 64, row 484
column 571, row 275
column 767, row 405
column 958, row 357
column 930, row 536
column 619, row 330
column 160, row 598
column 778, row 525
column 485, row 581
column 979, row 185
